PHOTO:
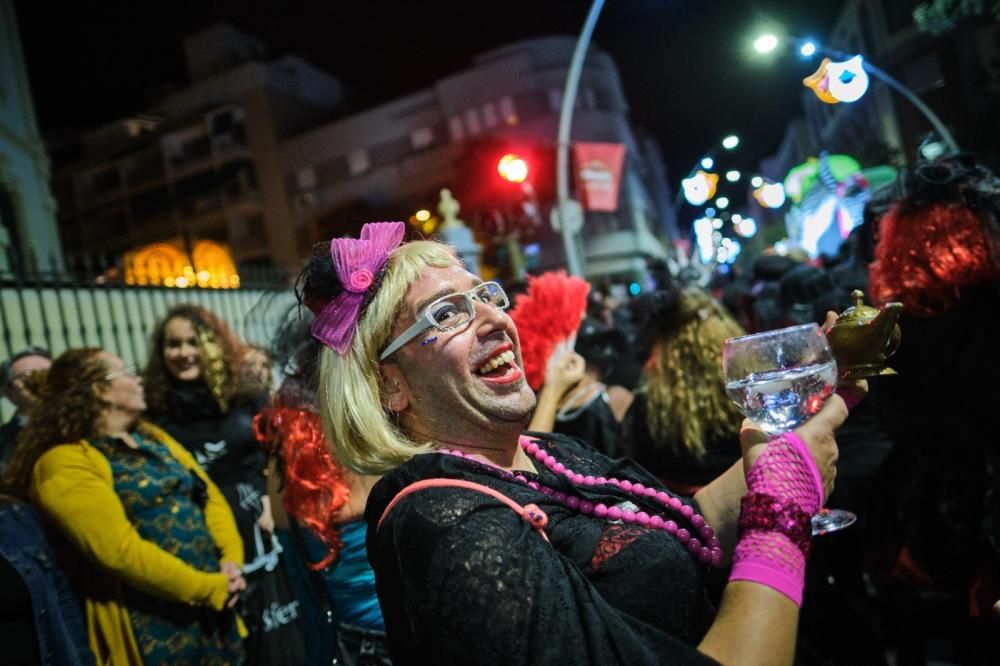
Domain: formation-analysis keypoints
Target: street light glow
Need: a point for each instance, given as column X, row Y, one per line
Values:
column 756, row 181
column 765, row 43
column 513, row 168
column 730, row 142
column 722, row 202
column 807, row 50
column 707, row 163
column 422, row 215
column 732, row 176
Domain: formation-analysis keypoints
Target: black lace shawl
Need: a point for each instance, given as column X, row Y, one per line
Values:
column 462, row 579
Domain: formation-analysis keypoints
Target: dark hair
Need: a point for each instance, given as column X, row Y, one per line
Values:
column 806, row 292
column 600, row 345
column 770, row 267
column 6, row 366
column 318, row 283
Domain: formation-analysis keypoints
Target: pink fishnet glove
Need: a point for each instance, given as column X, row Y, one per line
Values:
column 786, row 472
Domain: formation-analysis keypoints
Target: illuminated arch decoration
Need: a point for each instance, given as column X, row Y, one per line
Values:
column 836, row 82
column 213, row 265
column 165, row 264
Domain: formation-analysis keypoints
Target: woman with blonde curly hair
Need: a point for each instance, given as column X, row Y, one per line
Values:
column 147, row 537
column 682, row 426
column 195, row 393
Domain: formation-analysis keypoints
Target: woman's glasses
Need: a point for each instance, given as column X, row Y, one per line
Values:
column 450, row 312
column 128, row 371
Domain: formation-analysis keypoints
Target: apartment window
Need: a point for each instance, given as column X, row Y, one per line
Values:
column 358, row 161
column 489, row 115
column 924, row 73
column 105, row 181
column 472, row 122
column 898, row 13
column 111, row 224
column 421, row 138
column 455, row 128
column 305, row 178
column 508, row 111
column 555, row 100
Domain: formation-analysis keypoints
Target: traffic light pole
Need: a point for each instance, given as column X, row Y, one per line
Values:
column 574, row 263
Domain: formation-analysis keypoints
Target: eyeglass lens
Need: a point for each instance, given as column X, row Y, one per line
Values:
column 458, row 309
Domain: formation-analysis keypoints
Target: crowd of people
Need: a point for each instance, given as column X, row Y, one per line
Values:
column 426, row 467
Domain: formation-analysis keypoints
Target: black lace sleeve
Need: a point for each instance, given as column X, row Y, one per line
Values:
column 462, row 579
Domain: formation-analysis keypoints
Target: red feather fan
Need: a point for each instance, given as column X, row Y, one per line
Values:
column 548, row 313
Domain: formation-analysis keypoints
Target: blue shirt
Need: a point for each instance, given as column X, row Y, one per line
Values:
column 350, row 581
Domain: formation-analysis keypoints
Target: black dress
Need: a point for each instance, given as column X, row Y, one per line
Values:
column 673, row 466
column 463, row 579
column 593, row 423
column 224, row 446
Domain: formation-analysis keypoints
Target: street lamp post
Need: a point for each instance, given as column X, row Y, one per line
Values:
column 569, row 210
column 768, row 43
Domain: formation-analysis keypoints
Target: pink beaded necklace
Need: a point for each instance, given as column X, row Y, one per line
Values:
column 703, row 544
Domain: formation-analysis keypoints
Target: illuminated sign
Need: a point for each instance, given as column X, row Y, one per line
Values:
column 700, row 187
column 836, row 82
column 770, row 195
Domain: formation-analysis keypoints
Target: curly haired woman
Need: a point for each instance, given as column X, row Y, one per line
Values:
column 155, row 546
column 194, row 393
column 682, row 426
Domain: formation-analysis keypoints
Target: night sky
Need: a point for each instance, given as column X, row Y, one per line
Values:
column 687, row 67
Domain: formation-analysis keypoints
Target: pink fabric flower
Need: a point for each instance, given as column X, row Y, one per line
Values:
column 361, row 279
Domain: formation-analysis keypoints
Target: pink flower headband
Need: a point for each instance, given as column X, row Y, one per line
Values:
column 357, row 262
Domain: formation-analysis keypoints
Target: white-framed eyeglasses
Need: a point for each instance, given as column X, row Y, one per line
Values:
column 129, row 370
column 450, row 312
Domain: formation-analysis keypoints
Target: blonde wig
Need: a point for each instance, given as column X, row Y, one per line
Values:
column 685, row 389
column 363, row 431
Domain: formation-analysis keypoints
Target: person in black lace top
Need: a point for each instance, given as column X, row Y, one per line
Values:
column 491, row 546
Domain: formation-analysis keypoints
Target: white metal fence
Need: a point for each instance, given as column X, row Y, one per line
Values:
column 121, row 319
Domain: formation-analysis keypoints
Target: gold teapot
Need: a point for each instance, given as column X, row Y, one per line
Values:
column 864, row 337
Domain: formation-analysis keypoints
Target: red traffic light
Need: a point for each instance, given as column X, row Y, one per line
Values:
column 513, row 168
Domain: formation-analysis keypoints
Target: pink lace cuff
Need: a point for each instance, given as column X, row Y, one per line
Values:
column 790, row 585
column 785, row 489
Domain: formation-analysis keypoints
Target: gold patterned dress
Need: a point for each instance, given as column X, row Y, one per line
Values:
column 165, row 502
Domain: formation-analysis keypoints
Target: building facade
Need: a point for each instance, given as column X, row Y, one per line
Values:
column 261, row 155
column 28, row 233
column 203, row 163
column 404, row 151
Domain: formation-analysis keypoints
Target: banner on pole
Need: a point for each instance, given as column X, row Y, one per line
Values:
column 598, row 174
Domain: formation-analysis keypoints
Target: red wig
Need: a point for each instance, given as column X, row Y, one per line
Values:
column 926, row 255
column 549, row 312
column 315, row 486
